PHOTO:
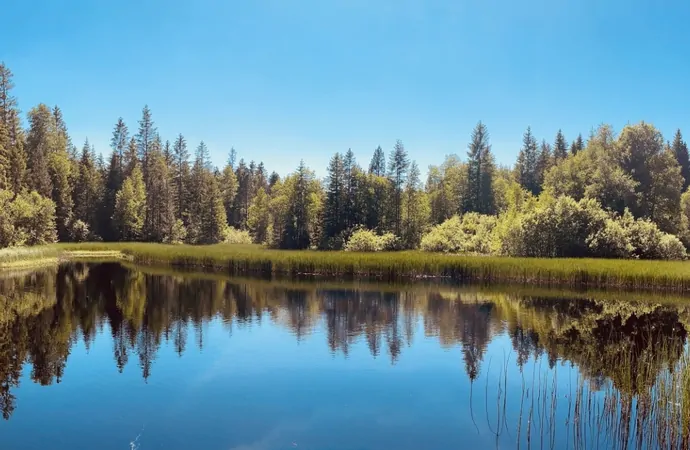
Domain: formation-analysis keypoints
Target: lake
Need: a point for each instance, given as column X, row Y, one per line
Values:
column 105, row 356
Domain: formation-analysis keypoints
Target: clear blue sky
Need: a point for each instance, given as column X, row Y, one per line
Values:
column 287, row 79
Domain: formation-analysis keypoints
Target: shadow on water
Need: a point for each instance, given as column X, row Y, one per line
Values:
column 630, row 389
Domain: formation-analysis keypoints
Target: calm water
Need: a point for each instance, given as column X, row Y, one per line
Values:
column 108, row 357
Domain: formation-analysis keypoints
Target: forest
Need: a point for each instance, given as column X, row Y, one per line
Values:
column 613, row 195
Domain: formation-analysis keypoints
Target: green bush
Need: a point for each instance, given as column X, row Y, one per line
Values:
column 469, row 234
column 27, row 219
column 235, row 236
column 364, row 240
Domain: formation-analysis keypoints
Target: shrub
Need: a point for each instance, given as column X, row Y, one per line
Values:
column 364, row 240
column 235, row 236
column 79, row 231
column 469, row 234
column 27, row 219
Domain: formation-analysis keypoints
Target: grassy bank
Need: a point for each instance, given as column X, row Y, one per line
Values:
column 256, row 260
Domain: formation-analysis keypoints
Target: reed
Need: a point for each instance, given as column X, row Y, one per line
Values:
column 235, row 259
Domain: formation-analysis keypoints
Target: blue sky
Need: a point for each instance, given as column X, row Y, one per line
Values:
column 282, row 80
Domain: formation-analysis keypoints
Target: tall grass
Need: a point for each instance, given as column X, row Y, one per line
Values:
column 392, row 266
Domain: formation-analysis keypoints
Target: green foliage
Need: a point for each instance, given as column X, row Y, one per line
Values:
column 364, row 240
column 235, row 236
column 480, row 172
column 130, row 207
column 178, row 233
column 470, row 233
column 260, row 217
column 26, row 219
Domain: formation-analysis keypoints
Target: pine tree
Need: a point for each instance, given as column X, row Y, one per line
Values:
column 60, row 168
column 17, row 155
column 351, row 169
column 131, row 159
column 415, row 211
column 180, row 176
column 160, row 216
column 480, row 171
column 87, row 192
column 130, row 207
column 113, row 184
column 296, row 234
column 120, row 140
column 260, row 217
column 12, row 149
column 207, row 219
column 335, row 219
column 38, row 147
column 398, row 165
column 240, row 209
column 168, row 154
column 378, row 163
column 680, row 151
column 232, row 157
column 228, row 188
column 544, row 163
column 577, row 145
column 145, row 138
column 560, row 148
column 526, row 168
column 272, row 180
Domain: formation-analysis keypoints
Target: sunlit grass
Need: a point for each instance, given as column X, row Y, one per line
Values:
column 253, row 259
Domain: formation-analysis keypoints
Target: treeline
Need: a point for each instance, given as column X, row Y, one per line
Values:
column 608, row 196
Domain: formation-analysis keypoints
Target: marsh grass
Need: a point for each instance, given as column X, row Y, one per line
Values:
column 239, row 259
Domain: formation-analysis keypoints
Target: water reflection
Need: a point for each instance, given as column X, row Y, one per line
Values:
column 630, row 353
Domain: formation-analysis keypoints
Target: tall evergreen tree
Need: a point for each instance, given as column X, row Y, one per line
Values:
column 260, row 217
column 398, row 166
column 180, row 176
column 130, row 159
column 240, row 210
column 560, row 147
column 11, row 135
column 526, row 168
column 39, row 142
column 296, row 233
column 87, row 192
column 415, row 211
column 145, row 138
column 130, row 207
column 378, row 163
column 479, row 196
column 680, row 151
column 578, row 145
column 120, row 140
column 59, row 168
column 112, row 185
column 544, row 163
column 335, row 220
column 228, row 188
column 160, row 216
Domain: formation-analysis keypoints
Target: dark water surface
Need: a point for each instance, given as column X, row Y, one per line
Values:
column 107, row 357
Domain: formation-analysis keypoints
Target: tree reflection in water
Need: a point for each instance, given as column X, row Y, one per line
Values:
column 634, row 385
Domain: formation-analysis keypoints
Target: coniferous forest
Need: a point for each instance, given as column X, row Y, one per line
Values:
column 618, row 194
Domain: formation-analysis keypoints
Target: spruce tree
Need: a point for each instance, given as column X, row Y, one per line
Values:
column 160, row 216
column 335, row 219
column 60, row 167
column 145, row 138
column 260, row 217
column 120, row 140
column 296, row 234
column 378, row 163
column 526, row 168
column 398, row 165
column 544, row 163
column 228, row 188
column 180, row 176
column 680, row 151
column 113, row 184
column 415, row 211
column 130, row 207
column 479, row 196
column 560, row 148
column 577, row 145
column 87, row 192
column 38, row 146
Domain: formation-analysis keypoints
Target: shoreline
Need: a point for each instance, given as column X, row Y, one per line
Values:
column 413, row 266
